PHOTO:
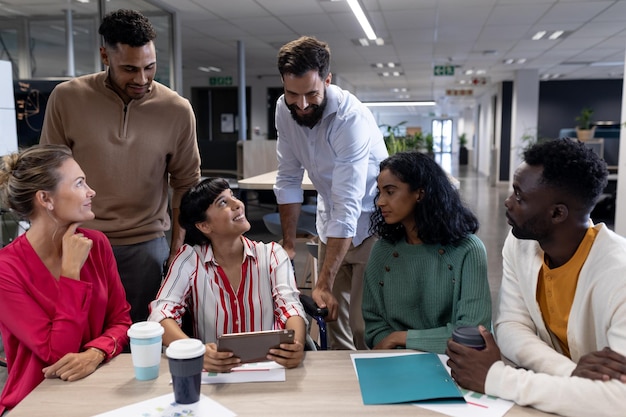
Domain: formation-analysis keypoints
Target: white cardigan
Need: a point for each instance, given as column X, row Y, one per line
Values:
column 597, row 319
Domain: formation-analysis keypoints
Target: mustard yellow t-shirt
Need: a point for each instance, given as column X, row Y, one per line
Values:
column 556, row 288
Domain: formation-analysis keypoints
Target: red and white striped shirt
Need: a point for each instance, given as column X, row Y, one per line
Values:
column 267, row 295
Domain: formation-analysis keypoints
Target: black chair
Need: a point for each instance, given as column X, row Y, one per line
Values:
column 318, row 314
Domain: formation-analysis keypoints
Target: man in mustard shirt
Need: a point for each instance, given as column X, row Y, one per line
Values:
column 561, row 318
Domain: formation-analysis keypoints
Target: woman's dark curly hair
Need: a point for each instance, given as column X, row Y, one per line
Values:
column 194, row 205
column 440, row 216
column 572, row 166
column 128, row 27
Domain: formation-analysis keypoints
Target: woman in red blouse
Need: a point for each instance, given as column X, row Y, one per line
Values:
column 64, row 309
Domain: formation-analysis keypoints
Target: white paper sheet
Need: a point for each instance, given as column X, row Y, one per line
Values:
column 477, row 405
column 248, row 372
column 164, row 406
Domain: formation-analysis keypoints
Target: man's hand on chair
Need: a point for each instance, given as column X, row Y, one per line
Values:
column 323, row 297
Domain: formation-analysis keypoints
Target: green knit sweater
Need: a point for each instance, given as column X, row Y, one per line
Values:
column 427, row 290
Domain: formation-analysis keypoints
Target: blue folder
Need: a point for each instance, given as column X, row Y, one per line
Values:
column 406, row 378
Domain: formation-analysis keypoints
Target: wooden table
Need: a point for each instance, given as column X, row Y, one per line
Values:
column 266, row 182
column 325, row 384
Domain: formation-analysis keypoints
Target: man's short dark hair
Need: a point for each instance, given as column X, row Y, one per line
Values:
column 128, row 27
column 571, row 166
column 303, row 55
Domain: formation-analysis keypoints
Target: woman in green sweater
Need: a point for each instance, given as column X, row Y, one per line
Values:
column 427, row 274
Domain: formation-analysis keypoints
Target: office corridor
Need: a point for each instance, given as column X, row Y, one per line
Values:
column 487, row 202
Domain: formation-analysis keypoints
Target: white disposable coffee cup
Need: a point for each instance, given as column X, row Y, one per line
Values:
column 186, row 357
column 145, row 348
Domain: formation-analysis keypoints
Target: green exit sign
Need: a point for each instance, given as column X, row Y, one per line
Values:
column 444, row 70
column 220, row 81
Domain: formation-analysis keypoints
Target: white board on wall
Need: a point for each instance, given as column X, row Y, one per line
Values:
column 8, row 125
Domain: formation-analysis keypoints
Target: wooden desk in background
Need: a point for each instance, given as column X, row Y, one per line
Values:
column 325, row 384
column 266, row 182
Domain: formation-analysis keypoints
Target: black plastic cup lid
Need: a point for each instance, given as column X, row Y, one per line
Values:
column 468, row 336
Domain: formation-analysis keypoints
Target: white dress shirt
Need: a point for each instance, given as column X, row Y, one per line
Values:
column 341, row 154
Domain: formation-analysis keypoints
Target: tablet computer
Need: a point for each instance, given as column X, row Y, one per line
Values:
column 253, row 346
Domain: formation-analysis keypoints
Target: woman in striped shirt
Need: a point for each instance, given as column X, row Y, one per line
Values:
column 228, row 283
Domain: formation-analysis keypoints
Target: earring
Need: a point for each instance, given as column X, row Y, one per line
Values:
column 50, row 207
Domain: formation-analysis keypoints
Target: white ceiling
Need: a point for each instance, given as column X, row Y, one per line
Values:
column 418, row 34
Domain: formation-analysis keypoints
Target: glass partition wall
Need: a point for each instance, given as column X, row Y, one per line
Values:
column 34, row 37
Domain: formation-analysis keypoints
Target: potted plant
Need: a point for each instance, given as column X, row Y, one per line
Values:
column 584, row 128
column 429, row 143
column 463, row 154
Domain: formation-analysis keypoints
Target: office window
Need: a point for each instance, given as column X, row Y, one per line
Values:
column 442, row 135
column 37, row 43
column 47, row 47
column 9, row 50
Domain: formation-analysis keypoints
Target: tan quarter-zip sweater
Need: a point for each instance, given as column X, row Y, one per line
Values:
column 128, row 152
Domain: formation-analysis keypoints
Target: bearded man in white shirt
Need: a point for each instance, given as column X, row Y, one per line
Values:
column 329, row 133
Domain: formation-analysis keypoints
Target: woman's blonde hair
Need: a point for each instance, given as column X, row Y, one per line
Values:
column 24, row 173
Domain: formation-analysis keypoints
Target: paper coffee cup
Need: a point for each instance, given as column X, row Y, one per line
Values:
column 145, row 348
column 186, row 357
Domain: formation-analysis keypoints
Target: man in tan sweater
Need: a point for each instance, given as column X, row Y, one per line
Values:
column 134, row 137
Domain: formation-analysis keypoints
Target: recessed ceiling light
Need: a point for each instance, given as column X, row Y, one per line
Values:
column 209, row 69
column 391, row 74
column 539, row 35
column 398, row 103
column 555, row 35
column 366, row 42
column 606, row 64
column 551, row 35
column 383, row 65
column 511, row 61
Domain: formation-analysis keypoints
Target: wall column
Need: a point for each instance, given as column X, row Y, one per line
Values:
column 620, row 203
column 69, row 41
column 243, row 123
column 525, row 113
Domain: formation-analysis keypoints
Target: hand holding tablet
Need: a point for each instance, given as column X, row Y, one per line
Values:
column 253, row 346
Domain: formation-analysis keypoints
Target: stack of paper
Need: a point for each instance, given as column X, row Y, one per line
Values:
column 248, row 372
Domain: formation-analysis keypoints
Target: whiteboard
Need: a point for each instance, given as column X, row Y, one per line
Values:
column 8, row 125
